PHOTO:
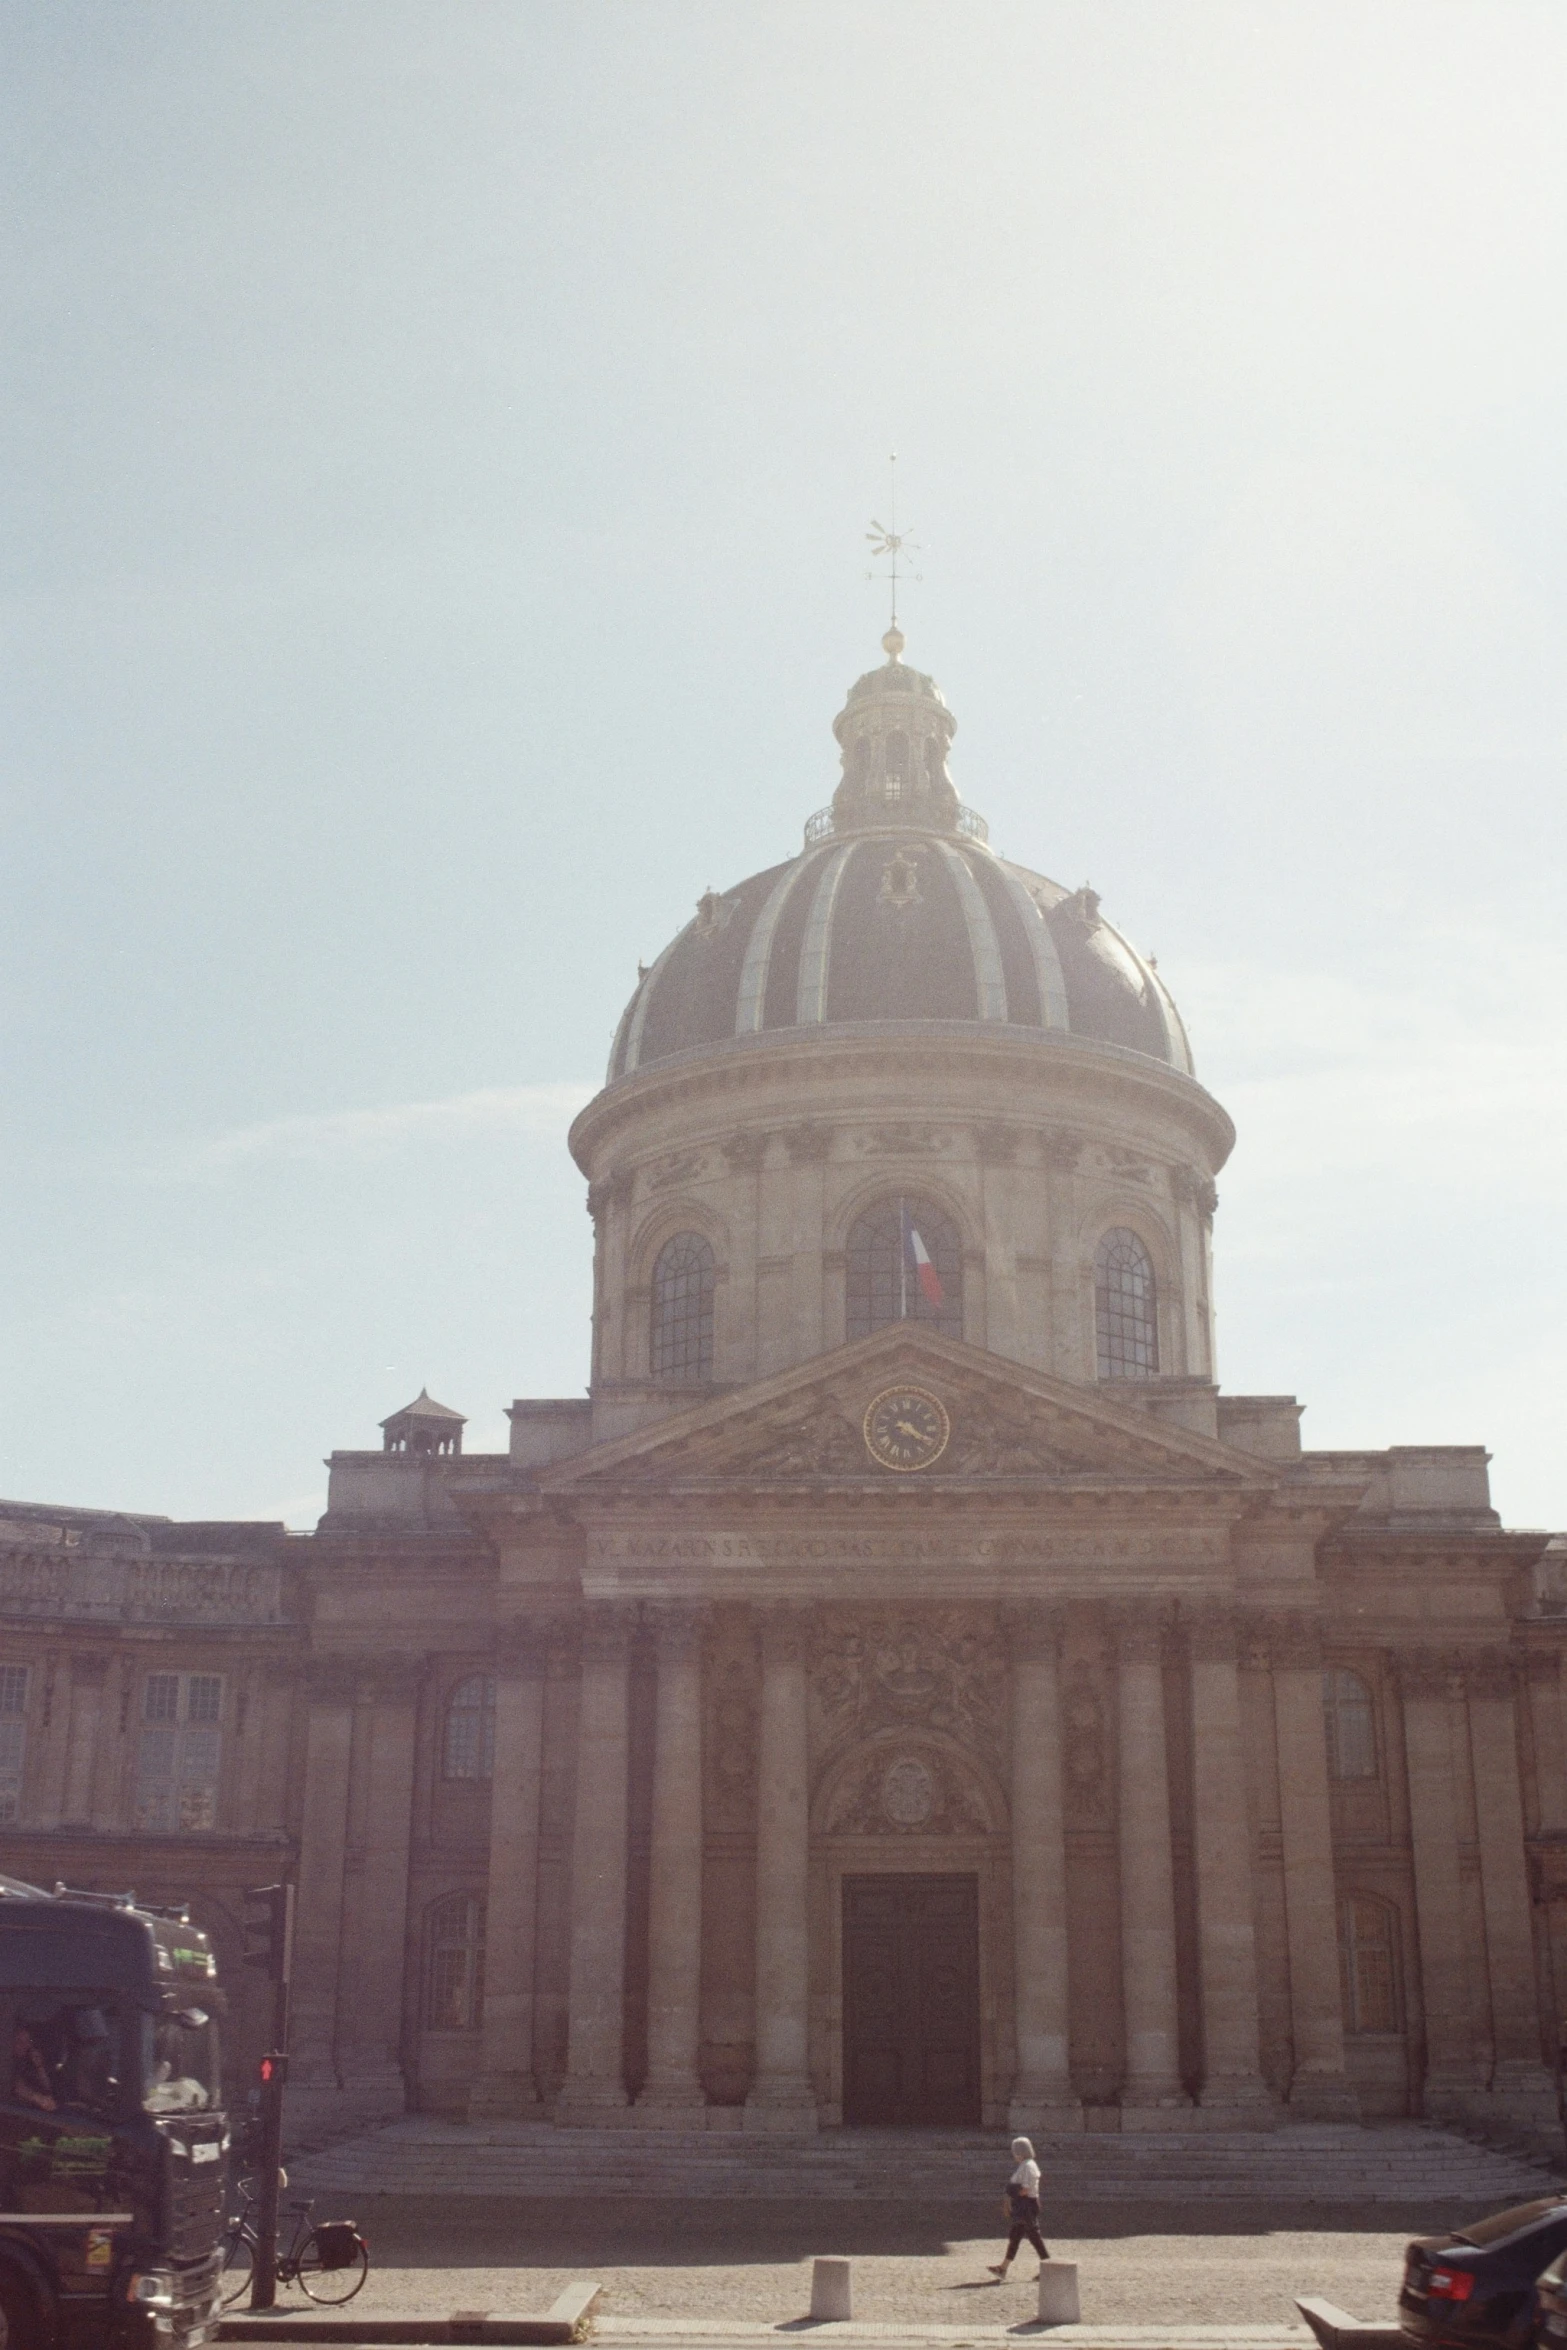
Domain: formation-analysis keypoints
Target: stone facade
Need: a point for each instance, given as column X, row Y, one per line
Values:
column 1251, row 1761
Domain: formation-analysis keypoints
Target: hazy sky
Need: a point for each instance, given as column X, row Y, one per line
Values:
column 437, row 444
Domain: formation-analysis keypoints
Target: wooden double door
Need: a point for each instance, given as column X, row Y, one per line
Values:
column 911, row 2000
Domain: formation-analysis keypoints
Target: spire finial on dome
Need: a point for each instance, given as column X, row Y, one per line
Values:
column 886, row 539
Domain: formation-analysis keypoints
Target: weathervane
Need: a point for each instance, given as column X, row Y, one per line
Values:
column 886, row 539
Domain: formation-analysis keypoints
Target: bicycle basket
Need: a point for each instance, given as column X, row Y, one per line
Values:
column 337, row 2243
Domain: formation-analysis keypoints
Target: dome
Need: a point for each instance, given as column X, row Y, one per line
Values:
column 896, row 911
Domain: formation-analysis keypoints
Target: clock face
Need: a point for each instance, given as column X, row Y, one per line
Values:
column 906, row 1428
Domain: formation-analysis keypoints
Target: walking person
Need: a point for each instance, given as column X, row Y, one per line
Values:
column 1022, row 2207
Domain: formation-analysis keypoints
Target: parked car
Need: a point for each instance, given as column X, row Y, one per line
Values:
column 1482, row 2286
column 1552, row 2291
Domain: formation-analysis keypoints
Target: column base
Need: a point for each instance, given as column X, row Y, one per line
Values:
column 785, row 2107
column 1244, row 2099
column 1154, row 2105
column 502, row 2097
column 590, row 2105
column 1047, row 2107
column 1323, row 2097
column 679, row 2104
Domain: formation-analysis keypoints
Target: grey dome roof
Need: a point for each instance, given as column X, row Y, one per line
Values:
column 896, row 925
column 895, row 911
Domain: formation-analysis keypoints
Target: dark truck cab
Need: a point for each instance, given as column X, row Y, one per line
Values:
column 113, row 2137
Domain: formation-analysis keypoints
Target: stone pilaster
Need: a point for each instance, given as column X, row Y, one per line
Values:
column 323, row 1845
column 782, row 2097
column 370, row 2054
column 1042, row 2096
column 1152, row 2091
column 89, row 1674
column 1520, row 2076
column 1320, row 2089
column 594, row 2088
column 1426, row 1682
column 1232, row 2064
column 505, row 2085
column 673, row 2093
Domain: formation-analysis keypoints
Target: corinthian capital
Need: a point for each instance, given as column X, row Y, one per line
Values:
column 1139, row 1629
column 609, row 1626
column 677, row 1627
column 1212, row 1633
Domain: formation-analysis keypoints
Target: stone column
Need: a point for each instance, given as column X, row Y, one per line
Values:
column 1320, row 2089
column 1152, row 2089
column 88, row 1675
column 371, row 2060
column 782, row 2097
column 595, row 2089
column 48, row 1768
column 323, row 1844
column 1226, row 1932
column 673, row 2093
column 1042, row 2096
column 1426, row 1680
column 505, row 2084
column 1520, row 2075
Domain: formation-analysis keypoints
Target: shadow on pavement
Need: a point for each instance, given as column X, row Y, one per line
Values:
column 551, row 2232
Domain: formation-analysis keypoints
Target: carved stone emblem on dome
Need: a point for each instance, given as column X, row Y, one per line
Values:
column 713, row 914
column 900, row 883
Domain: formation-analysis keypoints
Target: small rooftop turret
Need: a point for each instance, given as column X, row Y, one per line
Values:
column 423, row 1426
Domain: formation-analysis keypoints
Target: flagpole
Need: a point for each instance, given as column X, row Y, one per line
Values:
column 903, row 1259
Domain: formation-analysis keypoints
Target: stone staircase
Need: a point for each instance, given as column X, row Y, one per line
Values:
column 1399, row 2163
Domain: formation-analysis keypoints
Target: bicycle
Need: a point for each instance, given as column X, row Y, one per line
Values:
column 328, row 2259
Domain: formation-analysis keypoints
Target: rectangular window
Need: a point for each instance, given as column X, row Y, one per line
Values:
column 179, row 1753
column 13, row 1738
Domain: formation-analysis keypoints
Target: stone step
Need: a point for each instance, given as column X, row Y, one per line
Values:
column 1403, row 2163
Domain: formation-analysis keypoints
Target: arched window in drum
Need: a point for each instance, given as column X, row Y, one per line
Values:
column 1126, row 1308
column 1351, row 1722
column 905, row 1263
column 454, row 1970
column 684, row 1278
column 468, row 1750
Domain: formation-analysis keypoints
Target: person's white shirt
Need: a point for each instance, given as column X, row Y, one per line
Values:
column 1026, row 2179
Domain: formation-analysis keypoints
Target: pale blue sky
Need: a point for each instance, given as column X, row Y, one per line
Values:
column 438, row 440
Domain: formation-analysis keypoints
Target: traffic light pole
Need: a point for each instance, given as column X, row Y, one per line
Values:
column 274, row 2072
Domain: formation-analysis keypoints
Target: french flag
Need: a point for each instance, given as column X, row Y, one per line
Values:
column 918, row 1256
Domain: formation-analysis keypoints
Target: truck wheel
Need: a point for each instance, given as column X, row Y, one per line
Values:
column 19, row 2324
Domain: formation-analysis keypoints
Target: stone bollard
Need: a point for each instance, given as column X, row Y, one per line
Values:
column 832, row 2290
column 1058, row 2302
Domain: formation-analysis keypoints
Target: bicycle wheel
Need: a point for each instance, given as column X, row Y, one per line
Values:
column 331, row 2284
column 239, row 2261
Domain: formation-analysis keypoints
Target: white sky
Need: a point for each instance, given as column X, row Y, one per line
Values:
column 438, row 440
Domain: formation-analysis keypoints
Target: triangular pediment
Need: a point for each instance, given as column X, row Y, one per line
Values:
column 1003, row 1422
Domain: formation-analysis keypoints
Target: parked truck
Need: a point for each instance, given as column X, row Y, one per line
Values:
column 114, row 2140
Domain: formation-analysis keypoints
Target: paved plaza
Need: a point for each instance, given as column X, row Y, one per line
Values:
column 1172, row 2235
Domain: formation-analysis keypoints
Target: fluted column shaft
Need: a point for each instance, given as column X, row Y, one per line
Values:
column 1504, row 1884
column 505, row 2084
column 674, row 2019
column 1319, row 2085
column 1042, row 2089
column 1226, row 1933
column 1148, row 1979
column 595, row 2028
column 323, row 1844
column 1426, row 1682
column 782, row 2096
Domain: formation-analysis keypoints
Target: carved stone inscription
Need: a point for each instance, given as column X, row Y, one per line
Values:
column 1067, row 1544
column 141, row 1590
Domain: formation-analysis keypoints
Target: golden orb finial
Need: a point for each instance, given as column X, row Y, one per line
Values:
column 892, row 643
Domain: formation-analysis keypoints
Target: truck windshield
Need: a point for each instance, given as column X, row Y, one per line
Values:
column 179, row 2071
column 66, row 2051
